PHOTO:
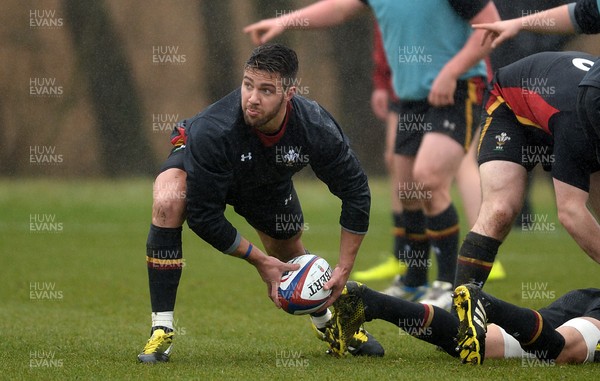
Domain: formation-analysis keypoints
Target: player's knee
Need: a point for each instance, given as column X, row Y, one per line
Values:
column 168, row 205
column 581, row 337
column 429, row 179
column 169, row 201
column 168, row 212
column 503, row 214
column 574, row 352
column 499, row 216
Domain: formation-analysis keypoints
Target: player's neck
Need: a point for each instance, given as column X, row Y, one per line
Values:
column 274, row 125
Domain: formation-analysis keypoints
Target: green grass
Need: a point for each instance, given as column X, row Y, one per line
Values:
column 97, row 319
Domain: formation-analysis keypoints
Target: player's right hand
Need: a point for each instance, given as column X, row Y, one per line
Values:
column 265, row 30
column 379, row 103
column 498, row 31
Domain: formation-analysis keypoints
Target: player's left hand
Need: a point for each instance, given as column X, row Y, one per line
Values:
column 442, row 91
column 336, row 284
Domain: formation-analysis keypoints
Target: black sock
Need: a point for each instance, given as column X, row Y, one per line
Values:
column 442, row 232
column 416, row 252
column 399, row 234
column 475, row 259
column 164, row 260
column 423, row 321
column 534, row 333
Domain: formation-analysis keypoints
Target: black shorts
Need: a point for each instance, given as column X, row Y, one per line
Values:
column 276, row 211
column 504, row 138
column 568, row 154
column 175, row 160
column 573, row 304
column 281, row 219
column 459, row 121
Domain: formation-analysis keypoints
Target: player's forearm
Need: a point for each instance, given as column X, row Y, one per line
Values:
column 585, row 231
column 321, row 14
column 554, row 20
column 247, row 251
column 471, row 53
column 574, row 215
column 586, row 234
column 349, row 246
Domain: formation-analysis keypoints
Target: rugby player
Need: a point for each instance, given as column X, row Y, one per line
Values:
column 566, row 331
column 243, row 151
column 384, row 104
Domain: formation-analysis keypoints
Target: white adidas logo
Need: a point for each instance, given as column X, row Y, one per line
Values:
column 479, row 315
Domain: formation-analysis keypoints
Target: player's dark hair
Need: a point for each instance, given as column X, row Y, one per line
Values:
column 274, row 58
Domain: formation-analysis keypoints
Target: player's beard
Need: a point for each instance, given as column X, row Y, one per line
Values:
column 260, row 121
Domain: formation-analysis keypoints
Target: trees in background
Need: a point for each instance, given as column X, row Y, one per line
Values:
column 100, row 56
column 102, row 60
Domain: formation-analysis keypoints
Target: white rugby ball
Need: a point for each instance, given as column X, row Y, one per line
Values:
column 301, row 292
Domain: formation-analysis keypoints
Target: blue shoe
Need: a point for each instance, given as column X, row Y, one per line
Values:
column 399, row 290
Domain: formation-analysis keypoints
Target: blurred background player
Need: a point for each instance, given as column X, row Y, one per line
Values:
column 384, row 104
column 237, row 152
column 439, row 76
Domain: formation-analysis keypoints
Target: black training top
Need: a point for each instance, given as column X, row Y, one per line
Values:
column 585, row 16
column 228, row 162
column 541, row 86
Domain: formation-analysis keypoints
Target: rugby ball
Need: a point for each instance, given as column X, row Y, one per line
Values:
column 301, row 292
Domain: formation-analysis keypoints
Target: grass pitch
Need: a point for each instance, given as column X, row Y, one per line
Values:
column 75, row 304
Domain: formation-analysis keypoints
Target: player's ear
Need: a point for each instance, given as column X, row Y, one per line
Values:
column 289, row 92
